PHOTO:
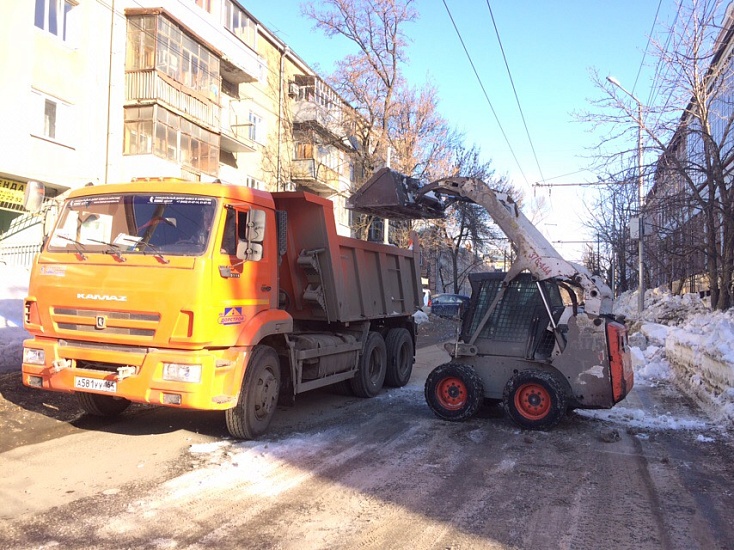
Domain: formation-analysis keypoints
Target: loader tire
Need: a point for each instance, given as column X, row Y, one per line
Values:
column 535, row 400
column 258, row 398
column 101, row 405
column 370, row 376
column 400, row 357
column 454, row 391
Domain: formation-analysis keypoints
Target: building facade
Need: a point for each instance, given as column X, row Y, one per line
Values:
column 680, row 238
column 111, row 90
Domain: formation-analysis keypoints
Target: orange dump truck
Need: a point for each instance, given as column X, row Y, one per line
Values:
column 213, row 297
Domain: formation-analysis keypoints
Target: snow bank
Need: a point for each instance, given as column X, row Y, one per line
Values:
column 678, row 338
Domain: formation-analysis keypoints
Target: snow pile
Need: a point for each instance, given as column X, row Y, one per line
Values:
column 660, row 306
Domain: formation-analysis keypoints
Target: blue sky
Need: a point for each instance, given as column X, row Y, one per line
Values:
column 550, row 47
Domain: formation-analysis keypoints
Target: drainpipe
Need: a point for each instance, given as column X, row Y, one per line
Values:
column 283, row 53
column 109, row 96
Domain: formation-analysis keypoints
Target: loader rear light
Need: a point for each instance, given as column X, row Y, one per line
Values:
column 34, row 356
column 620, row 361
column 179, row 372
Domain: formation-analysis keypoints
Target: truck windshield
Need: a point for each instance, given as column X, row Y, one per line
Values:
column 177, row 225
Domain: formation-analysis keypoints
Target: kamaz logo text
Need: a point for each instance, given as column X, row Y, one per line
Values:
column 102, row 297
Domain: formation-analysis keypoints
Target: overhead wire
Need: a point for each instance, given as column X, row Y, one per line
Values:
column 484, row 91
column 514, row 91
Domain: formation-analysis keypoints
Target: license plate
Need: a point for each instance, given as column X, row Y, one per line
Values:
column 94, row 384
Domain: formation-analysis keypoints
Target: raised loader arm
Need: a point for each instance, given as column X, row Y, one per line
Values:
column 534, row 252
column 392, row 195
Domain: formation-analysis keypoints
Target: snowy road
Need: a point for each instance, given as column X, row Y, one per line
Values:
column 338, row 472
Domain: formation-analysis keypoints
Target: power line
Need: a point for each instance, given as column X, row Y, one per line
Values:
column 644, row 54
column 514, row 90
column 486, row 96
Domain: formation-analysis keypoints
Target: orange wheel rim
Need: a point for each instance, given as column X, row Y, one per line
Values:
column 451, row 393
column 532, row 401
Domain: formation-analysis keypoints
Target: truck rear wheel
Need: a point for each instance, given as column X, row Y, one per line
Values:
column 535, row 400
column 400, row 354
column 102, row 405
column 454, row 391
column 258, row 399
column 370, row 376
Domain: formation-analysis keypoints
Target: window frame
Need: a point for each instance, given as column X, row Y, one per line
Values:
column 54, row 17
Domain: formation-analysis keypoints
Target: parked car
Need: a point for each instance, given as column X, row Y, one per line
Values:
column 449, row 305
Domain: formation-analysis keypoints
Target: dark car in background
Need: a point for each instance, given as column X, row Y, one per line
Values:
column 449, row 305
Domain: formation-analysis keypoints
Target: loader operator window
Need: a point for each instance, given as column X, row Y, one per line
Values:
column 140, row 223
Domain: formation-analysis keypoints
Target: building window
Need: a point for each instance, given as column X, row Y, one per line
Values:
column 155, row 130
column 54, row 16
column 52, row 118
column 254, row 183
column 49, row 119
column 237, row 21
column 255, row 130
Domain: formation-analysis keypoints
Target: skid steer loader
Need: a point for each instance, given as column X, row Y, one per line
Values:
column 541, row 338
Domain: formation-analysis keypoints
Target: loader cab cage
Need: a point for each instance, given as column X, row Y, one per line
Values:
column 518, row 325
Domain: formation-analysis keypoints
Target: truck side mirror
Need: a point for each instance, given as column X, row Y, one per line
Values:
column 33, row 196
column 250, row 248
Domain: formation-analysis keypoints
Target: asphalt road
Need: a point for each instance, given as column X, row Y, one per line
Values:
column 343, row 472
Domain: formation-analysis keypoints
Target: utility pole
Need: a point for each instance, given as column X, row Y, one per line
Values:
column 640, row 195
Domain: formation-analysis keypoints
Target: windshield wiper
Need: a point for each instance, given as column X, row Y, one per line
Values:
column 157, row 254
column 113, row 249
column 79, row 248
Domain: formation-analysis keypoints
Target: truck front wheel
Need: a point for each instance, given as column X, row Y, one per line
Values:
column 454, row 391
column 370, row 376
column 535, row 400
column 258, row 399
column 102, row 405
column 400, row 354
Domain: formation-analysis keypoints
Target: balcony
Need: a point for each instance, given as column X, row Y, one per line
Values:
column 239, row 62
column 152, row 86
column 314, row 175
column 318, row 107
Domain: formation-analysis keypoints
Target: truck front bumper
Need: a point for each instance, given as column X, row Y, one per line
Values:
column 191, row 379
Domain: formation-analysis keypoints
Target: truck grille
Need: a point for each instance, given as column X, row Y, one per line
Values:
column 107, row 322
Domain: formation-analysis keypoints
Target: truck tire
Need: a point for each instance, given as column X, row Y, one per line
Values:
column 258, row 399
column 454, row 391
column 400, row 356
column 101, row 405
column 370, row 376
column 535, row 400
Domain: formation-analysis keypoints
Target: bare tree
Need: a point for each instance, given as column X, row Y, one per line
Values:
column 461, row 241
column 370, row 78
column 691, row 200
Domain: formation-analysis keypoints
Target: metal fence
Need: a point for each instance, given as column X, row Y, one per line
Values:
column 18, row 255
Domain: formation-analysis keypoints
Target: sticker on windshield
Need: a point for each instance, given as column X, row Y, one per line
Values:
column 231, row 316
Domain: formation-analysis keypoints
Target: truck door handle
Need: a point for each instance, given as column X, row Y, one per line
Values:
column 266, row 288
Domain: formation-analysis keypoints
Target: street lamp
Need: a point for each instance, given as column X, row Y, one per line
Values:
column 640, row 198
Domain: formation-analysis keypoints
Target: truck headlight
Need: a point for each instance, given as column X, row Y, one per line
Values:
column 34, row 356
column 178, row 372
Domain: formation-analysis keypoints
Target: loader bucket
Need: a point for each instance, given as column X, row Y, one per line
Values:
column 391, row 195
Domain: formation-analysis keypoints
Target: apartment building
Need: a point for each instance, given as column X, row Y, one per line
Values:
column 111, row 90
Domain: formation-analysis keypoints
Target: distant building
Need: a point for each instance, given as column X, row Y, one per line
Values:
column 106, row 91
column 675, row 235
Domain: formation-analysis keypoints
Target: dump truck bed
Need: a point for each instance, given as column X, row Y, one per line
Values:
column 338, row 279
